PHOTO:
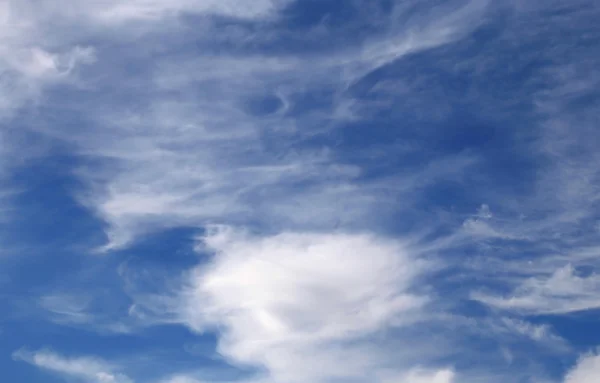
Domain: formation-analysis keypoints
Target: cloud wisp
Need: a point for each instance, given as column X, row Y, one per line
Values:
column 89, row 370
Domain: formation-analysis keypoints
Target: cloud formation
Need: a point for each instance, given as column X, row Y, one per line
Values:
column 294, row 300
column 89, row 370
column 562, row 292
column 586, row 370
column 386, row 192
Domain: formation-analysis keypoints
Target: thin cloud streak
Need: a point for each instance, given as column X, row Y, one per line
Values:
column 89, row 370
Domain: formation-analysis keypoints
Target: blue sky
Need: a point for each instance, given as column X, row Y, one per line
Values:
column 290, row 191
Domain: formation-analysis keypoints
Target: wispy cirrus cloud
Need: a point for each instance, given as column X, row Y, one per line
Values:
column 557, row 219
column 84, row 369
column 28, row 65
column 561, row 292
column 209, row 150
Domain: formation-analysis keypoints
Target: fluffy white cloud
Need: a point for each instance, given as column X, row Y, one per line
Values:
column 587, row 370
column 304, row 307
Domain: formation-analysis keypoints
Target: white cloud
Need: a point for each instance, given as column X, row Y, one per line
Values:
column 416, row 375
column 181, row 379
column 192, row 153
column 540, row 333
column 116, row 12
column 293, row 300
column 553, row 275
column 93, row 310
column 479, row 228
column 38, row 44
column 443, row 26
column 199, row 161
column 420, row 376
column 29, row 70
column 119, row 11
column 69, row 308
column 89, row 370
column 30, row 62
column 587, row 370
column 561, row 292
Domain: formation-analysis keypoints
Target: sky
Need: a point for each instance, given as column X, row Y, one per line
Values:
column 293, row 191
